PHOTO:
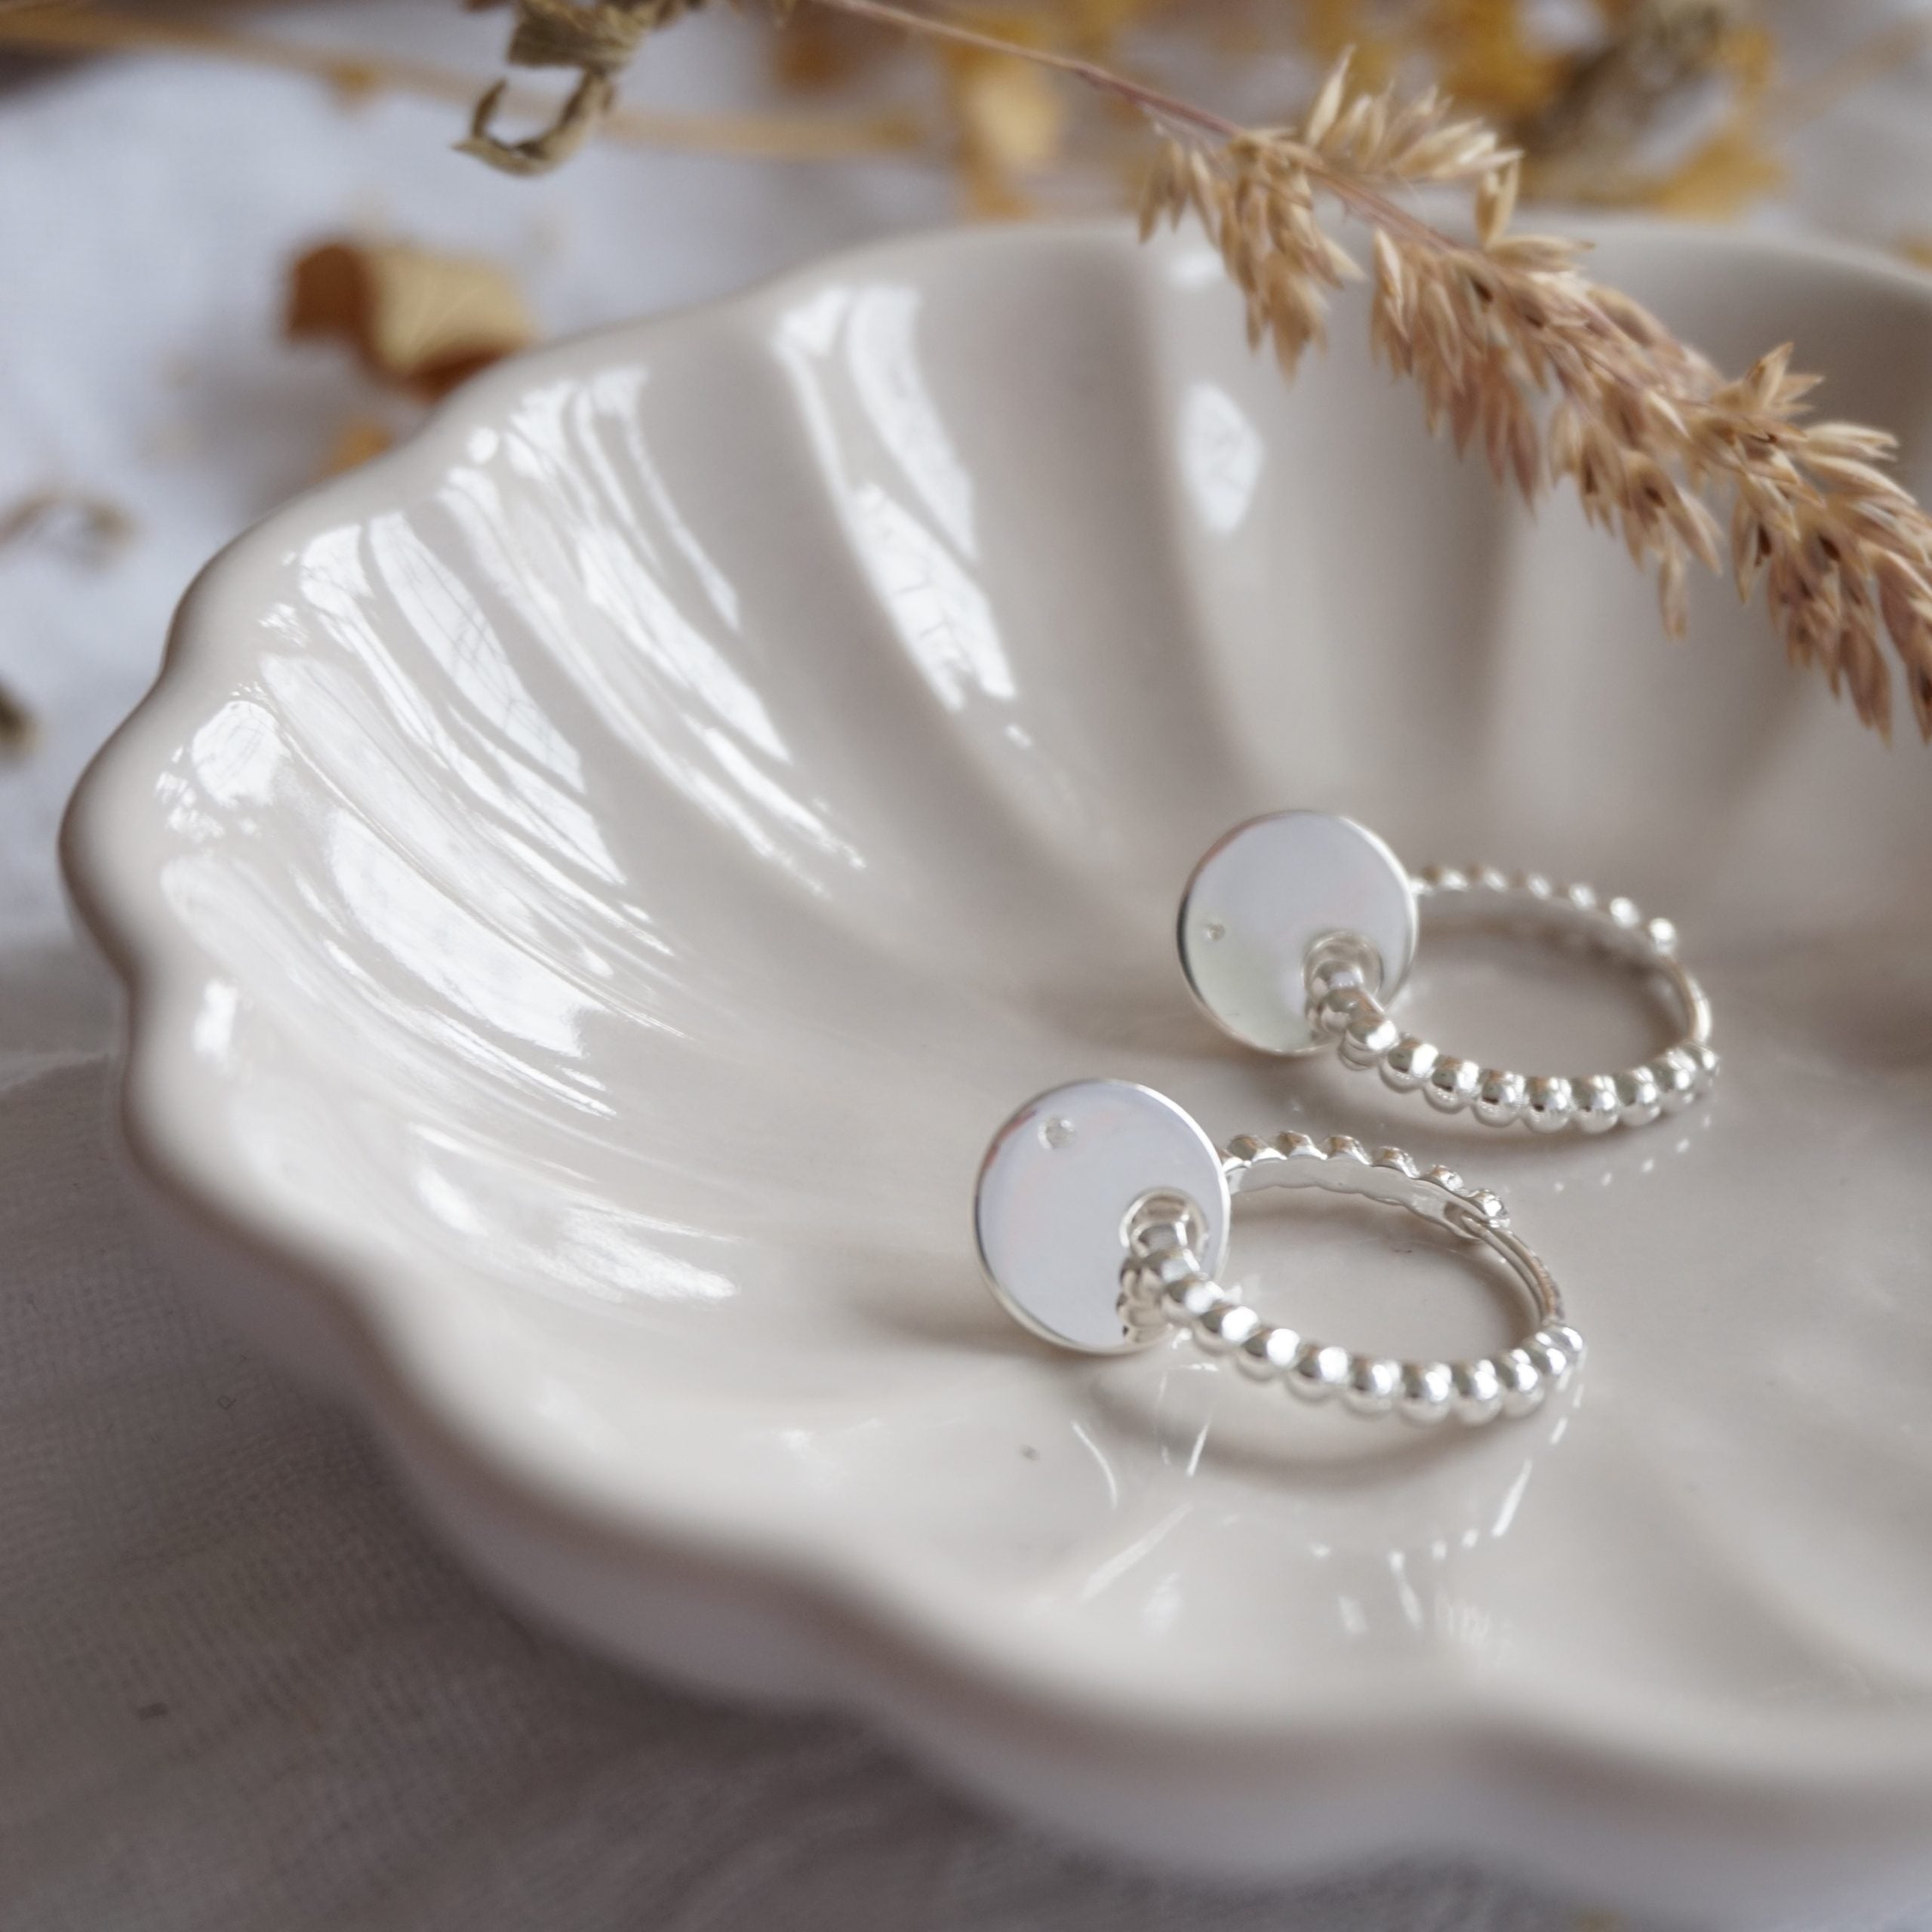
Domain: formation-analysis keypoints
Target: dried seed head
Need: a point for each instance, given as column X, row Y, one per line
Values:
column 1642, row 424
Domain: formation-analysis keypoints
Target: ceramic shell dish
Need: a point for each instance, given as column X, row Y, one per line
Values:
column 590, row 881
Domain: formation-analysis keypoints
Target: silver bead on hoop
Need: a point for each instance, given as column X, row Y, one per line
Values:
column 1164, row 1284
column 1274, row 941
column 1104, row 1251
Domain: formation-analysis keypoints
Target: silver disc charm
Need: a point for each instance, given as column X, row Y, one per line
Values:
column 1057, row 1189
column 1264, row 896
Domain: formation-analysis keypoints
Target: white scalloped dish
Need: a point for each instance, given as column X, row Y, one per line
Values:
column 589, row 882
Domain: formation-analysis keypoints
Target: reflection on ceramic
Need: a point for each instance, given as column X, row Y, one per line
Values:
column 591, row 882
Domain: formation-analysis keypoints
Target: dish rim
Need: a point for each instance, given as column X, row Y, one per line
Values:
column 876, row 1629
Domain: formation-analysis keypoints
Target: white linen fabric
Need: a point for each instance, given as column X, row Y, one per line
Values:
column 239, row 1687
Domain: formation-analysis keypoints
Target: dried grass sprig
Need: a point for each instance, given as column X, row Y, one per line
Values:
column 1649, row 433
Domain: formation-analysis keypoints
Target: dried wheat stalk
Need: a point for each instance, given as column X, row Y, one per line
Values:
column 1649, row 433
column 1512, row 345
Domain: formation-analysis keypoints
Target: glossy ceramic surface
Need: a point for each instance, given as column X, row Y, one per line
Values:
column 591, row 882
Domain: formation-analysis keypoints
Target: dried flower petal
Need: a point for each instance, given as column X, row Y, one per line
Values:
column 358, row 441
column 86, row 529
column 418, row 321
column 1009, row 118
column 19, row 729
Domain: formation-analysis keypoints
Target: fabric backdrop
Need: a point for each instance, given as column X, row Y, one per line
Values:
column 239, row 1687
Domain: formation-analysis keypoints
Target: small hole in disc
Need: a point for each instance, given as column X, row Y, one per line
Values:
column 1057, row 1132
column 1214, row 929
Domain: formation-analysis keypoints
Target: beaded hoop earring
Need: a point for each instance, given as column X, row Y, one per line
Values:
column 1296, row 930
column 1102, row 1214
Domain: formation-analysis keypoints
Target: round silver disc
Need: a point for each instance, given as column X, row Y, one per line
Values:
column 1057, row 1189
column 1264, row 895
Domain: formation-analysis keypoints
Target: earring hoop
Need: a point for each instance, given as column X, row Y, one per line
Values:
column 1102, row 1214
column 1297, row 930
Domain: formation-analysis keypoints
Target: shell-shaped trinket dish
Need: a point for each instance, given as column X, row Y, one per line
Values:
column 589, row 883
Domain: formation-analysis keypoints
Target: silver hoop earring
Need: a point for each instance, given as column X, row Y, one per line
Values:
column 1102, row 1214
column 1297, row 930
